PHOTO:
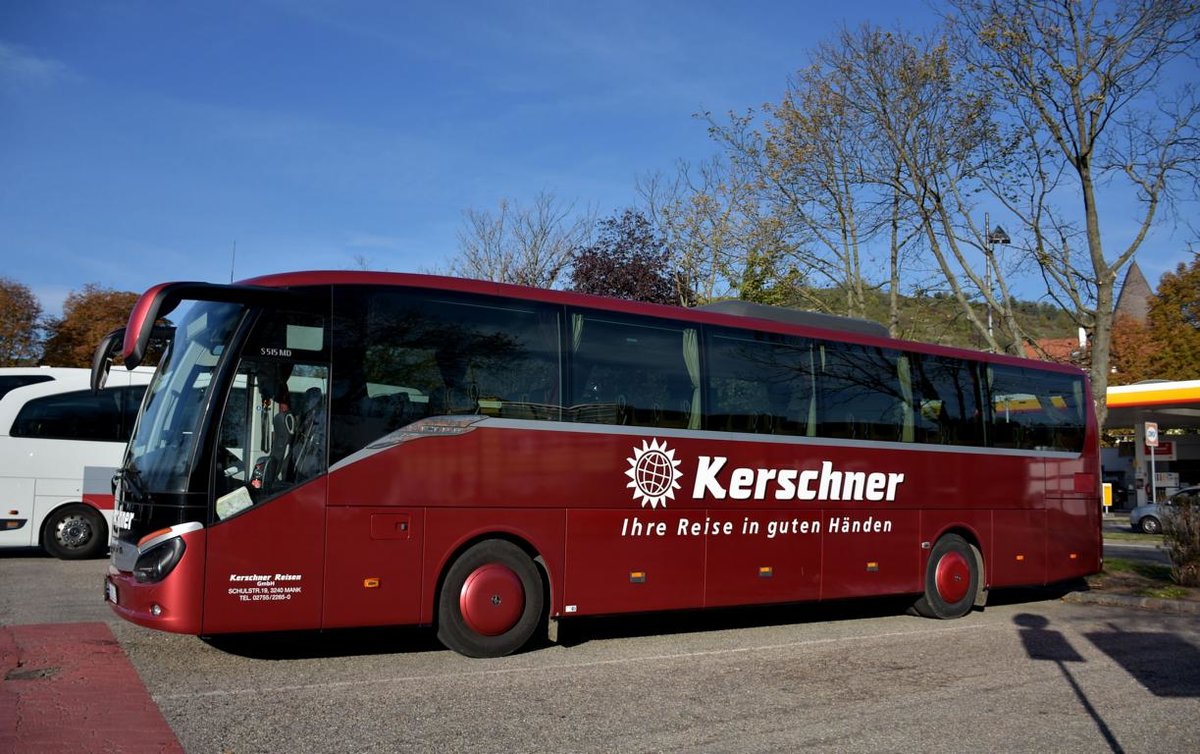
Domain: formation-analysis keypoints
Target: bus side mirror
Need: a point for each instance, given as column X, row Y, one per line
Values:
column 102, row 359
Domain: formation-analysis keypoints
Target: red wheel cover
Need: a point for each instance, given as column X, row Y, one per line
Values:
column 952, row 577
column 492, row 599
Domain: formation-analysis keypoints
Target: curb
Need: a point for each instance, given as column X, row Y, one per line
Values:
column 1180, row 607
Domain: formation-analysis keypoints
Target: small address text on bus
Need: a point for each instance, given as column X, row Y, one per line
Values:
column 264, row 587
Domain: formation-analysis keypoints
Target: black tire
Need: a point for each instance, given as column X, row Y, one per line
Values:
column 952, row 579
column 491, row 601
column 1151, row 525
column 75, row 532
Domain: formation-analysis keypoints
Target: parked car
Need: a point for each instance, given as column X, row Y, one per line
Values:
column 1148, row 518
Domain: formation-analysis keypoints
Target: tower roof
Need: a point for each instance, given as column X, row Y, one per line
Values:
column 1134, row 299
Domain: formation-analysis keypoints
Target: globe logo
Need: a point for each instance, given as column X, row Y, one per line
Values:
column 654, row 473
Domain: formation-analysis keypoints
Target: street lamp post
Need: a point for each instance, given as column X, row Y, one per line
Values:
column 991, row 238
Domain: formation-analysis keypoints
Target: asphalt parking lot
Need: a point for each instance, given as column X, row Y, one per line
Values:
column 1031, row 672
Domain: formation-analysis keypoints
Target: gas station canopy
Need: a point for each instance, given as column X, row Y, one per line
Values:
column 1173, row 405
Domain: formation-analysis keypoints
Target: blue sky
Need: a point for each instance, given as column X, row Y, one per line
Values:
column 141, row 140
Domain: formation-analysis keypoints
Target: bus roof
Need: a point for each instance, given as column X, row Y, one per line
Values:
column 827, row 326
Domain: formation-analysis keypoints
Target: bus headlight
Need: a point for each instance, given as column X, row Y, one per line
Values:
column 155, row 563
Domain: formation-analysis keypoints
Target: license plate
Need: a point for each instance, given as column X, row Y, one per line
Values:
column 110, row 591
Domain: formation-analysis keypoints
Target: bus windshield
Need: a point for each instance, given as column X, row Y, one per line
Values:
column 163, row 448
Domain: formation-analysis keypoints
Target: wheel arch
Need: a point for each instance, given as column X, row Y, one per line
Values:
column 512, row 537
column 101, row 520
column 84, row 503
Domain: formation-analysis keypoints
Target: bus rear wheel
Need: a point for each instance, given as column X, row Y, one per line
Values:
column 491, row 601
column 951, row 579
column 74, row 532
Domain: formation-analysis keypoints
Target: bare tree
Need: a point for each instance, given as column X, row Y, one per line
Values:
column 724, row 239
column 517, row 244
column 1089, row 80
column 868, row 167
column 931, row 133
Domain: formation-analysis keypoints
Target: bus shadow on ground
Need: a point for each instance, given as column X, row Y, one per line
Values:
column 353, row 642
column 578, row 631
column 1025, row 594
column 581, row 630
column 23, row 552
column 342, row 642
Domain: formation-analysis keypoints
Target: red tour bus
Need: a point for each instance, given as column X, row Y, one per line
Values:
column 335, row 449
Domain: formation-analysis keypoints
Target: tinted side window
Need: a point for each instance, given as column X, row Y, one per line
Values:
column 860, row 393
column 130, row 401
column 1036, row 410
column 948, row 401
column 13, row 381
column 79, row 415
column 402, row 355
column 644, row 373
column 759, row 383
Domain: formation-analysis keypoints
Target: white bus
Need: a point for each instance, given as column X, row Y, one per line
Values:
column 60, row 444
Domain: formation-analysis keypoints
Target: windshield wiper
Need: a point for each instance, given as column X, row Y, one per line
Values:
column 129, row 475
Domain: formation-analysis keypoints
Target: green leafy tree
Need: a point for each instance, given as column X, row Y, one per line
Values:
column 20, row 315
column 88, row 316
column 1174, row 322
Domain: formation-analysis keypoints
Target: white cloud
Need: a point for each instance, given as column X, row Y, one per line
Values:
column 23, row 69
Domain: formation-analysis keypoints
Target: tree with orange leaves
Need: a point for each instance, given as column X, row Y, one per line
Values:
column 88, row 316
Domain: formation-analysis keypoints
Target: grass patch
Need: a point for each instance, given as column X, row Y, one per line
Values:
column 1168, row 593
column 1135, row 537
column 1139, row 579
column 1152, row 571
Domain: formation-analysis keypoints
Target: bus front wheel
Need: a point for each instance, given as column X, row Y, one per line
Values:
column 491, row 601
column 74, row 532
column 951, row 579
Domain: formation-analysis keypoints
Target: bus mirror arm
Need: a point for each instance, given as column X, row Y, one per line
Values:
column 102, row 359
column 155, row 304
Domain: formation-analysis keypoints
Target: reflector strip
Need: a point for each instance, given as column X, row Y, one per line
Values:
column 637, row 577
column 766, row 572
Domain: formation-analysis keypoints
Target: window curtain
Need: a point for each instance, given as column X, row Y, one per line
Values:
column 548, row 335
column 576, row 332
column 904, row 373
column 691, row 357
